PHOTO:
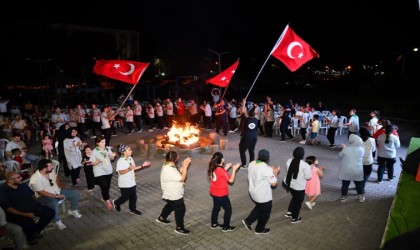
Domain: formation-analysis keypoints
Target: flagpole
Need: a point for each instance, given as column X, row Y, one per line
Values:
column 278, row 41
column 224, row 92
column 126, row 98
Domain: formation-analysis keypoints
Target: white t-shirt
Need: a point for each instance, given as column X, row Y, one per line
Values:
column 105, row 121
column 38, row 182
column 304, row 174
column 260, row 178
column 170, row 181
column 104, row 168
column 128, row 179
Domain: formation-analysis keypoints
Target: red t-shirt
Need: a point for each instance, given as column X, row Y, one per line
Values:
column 180, row 108
column 219, row 183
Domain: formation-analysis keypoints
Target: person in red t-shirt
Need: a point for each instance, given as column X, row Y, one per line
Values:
column 180, row 110
column 219, row 178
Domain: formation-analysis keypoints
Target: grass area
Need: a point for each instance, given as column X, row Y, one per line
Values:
column 405, row 211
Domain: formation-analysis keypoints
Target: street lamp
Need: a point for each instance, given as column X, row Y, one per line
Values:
column 218, row 54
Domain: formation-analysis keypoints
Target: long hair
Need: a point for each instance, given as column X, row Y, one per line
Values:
column 172, row 156
column 388, row 131
column 214, row 163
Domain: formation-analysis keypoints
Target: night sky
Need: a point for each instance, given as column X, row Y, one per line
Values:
column 337, row 30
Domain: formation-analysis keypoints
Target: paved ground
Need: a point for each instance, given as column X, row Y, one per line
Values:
column 330, row 225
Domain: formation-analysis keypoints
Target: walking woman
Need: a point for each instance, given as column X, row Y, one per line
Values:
column 298, row 172
column 219, row 189
column 172, row 182
column 102, row 169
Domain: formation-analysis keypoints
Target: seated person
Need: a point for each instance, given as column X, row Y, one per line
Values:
column 20, row 205
column 19, row 157
column 49, row 191
column 16, row 142
column 20, row 126
column 12, row 229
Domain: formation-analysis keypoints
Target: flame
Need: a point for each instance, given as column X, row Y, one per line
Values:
column 186, row 135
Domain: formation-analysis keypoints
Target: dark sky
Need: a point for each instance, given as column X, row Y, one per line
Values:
column 337, row 30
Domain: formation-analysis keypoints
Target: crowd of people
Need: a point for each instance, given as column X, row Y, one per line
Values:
column 66, row 135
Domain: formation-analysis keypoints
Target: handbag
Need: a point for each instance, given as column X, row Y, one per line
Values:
column 285, row 186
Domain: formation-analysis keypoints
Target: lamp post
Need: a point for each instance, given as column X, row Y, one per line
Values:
column 220, row 65
column 218, row 54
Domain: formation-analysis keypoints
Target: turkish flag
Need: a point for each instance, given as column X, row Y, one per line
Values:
column 292, row 50
column 223, row 79
column 126, row 71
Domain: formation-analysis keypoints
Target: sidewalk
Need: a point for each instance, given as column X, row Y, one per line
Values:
column 331, row 224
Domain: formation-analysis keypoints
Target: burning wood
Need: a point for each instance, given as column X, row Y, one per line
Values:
column 184, row 135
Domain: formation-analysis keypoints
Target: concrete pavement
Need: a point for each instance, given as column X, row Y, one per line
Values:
column 331, row 224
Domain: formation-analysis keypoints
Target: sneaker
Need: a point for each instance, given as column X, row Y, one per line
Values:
column 302, row 142
column 93, row 137
column 236, row 129
column 308, row 204
column 294, row 221
column 138, row 131
column 165, row 128
column 150, row 130
column 247, row 226
column 231, row 131
column 216, row 226
column 162, row 221
column 361, row 198
column 228, row 229
column 135, row 212
column 116, row 207
column 288, row 215
column 265, row 231
column 60, row 225
column 331, row 146
column 243, row 166
column 75, row 213
column 379, row 182
column 391, row 179
column 313, row 204
column 343, row 198
column 182, row 231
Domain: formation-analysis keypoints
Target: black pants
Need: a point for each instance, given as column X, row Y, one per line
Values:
column 28, row 225
column 129, row 194
column 96, row 126
column 218, row 203
column 90, row 178
column 75, row 174
column 331, row 135
column 138, row 122
column 107, row 134
column 269, row 128
column 221, row 123
column 104, row 182
column 81, row 130
column 261, row 212
column 178, row 206
column 207, row 122
column 284, row 130
column 298, row 196
column 247, row 144
column 303, row 133
column 367, row 170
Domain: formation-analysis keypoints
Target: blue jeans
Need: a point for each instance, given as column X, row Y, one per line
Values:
column 34, row 160
column 221, row 202
column 69, row 194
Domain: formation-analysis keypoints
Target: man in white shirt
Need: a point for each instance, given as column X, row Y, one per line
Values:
column 16, row 142
column 48, row 190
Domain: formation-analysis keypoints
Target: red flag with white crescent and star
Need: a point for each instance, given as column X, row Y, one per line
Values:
column 223, row 79
column 292, row 50
column 122, row 70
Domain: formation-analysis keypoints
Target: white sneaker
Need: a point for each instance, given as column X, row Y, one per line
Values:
column 75, row 213
column 302, row 142
column 308, row 204
column 60, row 225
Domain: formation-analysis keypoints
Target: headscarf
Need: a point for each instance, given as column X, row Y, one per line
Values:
column 293, row 170
column 122, row 148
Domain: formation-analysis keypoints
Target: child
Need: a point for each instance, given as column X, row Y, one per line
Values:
column 219, row 190
column 25, row 166
column 127, row 179
column 47, row 147
column 313, row 186
column 314, row 130
column 88, row 168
